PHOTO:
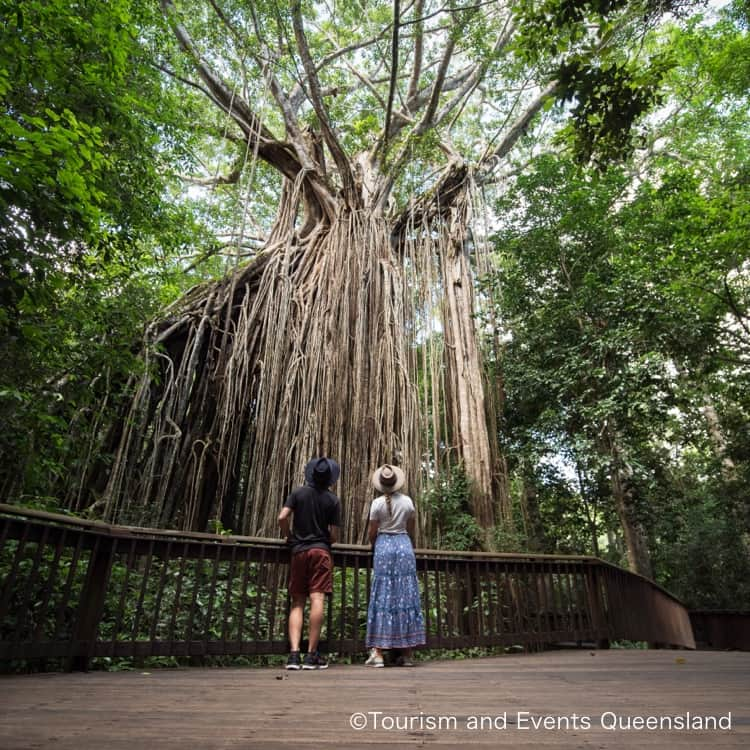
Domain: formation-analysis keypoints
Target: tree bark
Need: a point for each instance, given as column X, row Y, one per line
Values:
column 623, row 494
column 465, row 373
column 718, row 441
column 537, row 539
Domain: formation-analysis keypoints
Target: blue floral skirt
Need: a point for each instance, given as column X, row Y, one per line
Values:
column 394, row 615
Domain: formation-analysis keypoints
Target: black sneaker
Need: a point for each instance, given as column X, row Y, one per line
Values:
column 314, row 661
column 294, row 662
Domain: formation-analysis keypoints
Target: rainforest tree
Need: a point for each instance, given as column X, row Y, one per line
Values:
column 352, row 330
column 624, row 299
column 89, row 137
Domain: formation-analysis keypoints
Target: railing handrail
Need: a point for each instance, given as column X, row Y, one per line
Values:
column 121, row 530
column 60, row 586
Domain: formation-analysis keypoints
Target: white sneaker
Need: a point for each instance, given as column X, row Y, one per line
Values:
column 373, row 660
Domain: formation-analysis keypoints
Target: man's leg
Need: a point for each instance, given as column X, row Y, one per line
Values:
column 296, row 618
column 317, row 606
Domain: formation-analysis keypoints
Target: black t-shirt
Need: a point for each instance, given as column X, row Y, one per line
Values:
column 314, row 511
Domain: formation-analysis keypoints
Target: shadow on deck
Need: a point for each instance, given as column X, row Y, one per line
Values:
column 584, row 692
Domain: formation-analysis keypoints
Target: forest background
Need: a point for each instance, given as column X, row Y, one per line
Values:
column 607, row 245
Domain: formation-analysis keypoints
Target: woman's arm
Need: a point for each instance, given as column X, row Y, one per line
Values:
column 411, row 525
column 372, row 531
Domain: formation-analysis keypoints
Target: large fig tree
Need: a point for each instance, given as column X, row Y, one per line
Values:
column 351, row 331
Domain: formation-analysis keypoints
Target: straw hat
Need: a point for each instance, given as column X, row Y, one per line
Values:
column 388, row 479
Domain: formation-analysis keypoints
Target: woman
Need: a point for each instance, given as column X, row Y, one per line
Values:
column 394, row 616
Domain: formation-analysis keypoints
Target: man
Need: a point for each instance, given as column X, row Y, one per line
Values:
column 316, row 513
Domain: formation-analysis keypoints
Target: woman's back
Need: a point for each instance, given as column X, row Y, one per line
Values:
column 395, row 519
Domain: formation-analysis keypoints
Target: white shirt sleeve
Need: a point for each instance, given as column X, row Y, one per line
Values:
column 375, row 509
column 413, row 510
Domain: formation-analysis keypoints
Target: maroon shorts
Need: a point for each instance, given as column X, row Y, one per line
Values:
column 311, row 571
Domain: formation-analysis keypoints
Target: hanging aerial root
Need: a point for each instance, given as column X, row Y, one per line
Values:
column 305, row 353
column 331, row 343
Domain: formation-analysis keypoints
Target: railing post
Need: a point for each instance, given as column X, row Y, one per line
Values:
column 91, row 604
column 598, row 614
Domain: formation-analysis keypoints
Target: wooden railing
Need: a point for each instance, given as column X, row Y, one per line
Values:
column 72, row 590
column 721, row 629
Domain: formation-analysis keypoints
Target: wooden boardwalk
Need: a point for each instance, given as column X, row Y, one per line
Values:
column 581, row 693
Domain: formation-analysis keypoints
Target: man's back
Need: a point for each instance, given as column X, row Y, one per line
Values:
column 314, row 511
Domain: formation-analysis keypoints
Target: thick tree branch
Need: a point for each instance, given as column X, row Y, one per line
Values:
column 269, row 148
column 405, row 117
column 438, row 200
column 298, row 94
column 478, row 73
column 437, row 88
column 386, row 183
column 293, row 129
column 228, row 179
column 418, row 53
column 316, row 99
column 492, row 158
column 394, row 73
column 279, row 155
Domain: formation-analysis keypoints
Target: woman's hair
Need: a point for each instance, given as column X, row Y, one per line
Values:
column 389, row 503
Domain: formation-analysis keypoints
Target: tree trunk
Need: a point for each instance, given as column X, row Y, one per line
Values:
column 465, row 375
column 623, row 494
column 718, row 441
column 636, row 542
column 537, row 539
column 309, row 350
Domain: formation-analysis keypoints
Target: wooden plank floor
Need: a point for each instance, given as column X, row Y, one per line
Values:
column 207, row 709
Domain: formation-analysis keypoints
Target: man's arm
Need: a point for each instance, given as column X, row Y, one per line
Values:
column 335, row 522
column 333, row 534
column 284, row 524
